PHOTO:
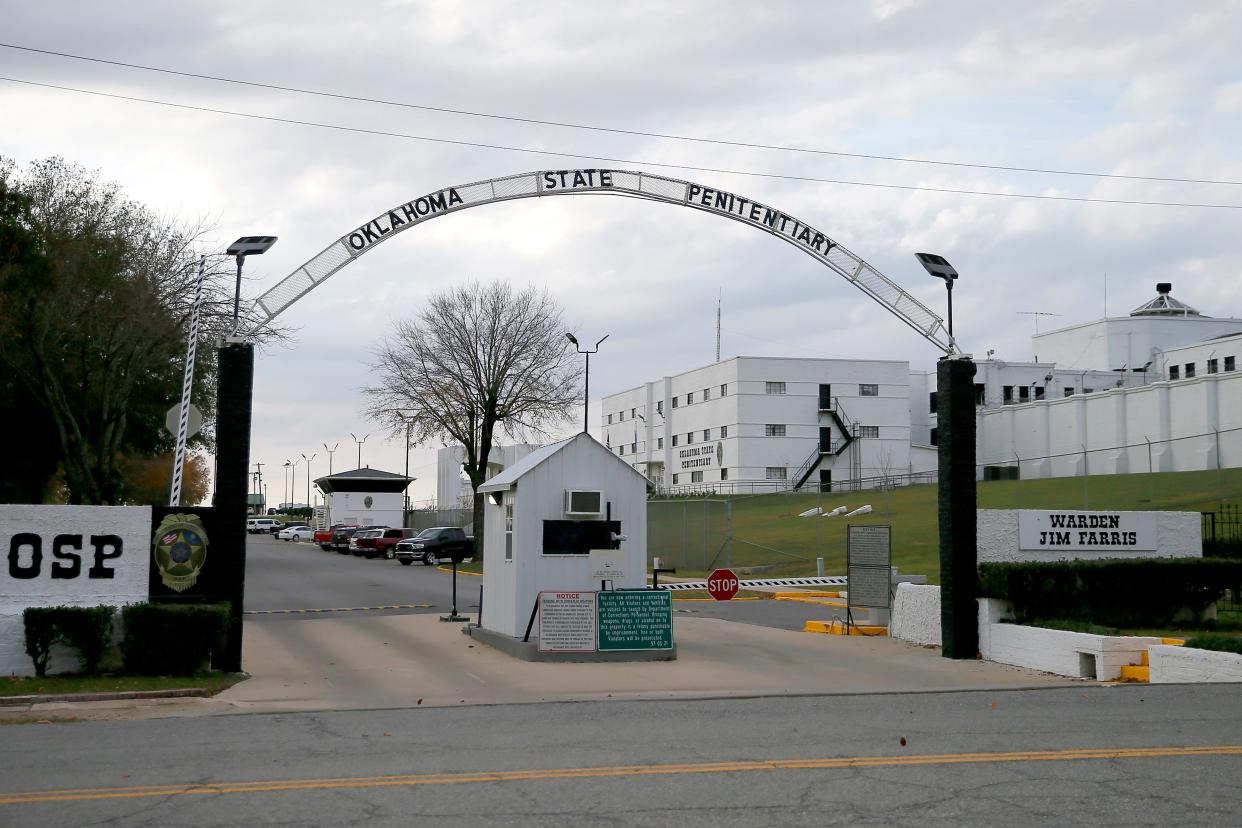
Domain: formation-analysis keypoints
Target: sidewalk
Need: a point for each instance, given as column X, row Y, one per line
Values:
column 375, row 662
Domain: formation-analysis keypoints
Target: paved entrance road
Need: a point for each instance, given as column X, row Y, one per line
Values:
column 1083, row 755
column 296, row 576
column 300, row 576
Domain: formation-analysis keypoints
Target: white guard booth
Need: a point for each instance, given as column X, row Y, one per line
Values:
column 542, row 517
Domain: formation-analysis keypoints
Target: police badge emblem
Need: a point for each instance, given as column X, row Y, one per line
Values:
column 180, row 550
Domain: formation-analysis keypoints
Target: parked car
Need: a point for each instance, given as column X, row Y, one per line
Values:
column 341, row 537
column 257, row 526
column 296, row 533
column 386, row 543
column 364, row 539
column 440, row 543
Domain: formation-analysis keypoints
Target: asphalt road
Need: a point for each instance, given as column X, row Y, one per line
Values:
column 1133, row 755
column 283, row 576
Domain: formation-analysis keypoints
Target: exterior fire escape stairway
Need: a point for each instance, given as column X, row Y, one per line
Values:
column 837, row 415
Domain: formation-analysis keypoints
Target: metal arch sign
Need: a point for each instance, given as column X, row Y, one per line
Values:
column 796, row 232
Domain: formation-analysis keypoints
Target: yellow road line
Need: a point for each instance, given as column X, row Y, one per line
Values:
column 741, row 766
column 337, row 609
column 460, row 571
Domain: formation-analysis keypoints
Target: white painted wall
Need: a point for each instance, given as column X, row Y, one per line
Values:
column 386, row 509
column 511, row 586
column 1178, row 665
column 128, row 584
column 1178, row 535
column 916, row 614
column 1054, row 651
column 1192, row 424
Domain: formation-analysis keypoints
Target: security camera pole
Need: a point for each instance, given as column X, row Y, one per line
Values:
column 955, row 430
column 586, row 392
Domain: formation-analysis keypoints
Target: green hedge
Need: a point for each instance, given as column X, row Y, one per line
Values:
column 1222, row 643
column 1149, row 592
column 85, row 630
column 172, row 639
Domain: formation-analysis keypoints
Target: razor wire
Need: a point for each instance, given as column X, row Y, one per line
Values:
column 187, row 383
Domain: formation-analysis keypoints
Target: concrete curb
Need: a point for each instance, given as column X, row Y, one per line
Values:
column 120, row 695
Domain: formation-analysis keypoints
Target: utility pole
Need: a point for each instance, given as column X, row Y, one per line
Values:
column 258, row 471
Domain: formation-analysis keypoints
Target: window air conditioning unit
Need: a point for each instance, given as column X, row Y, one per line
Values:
column 583, row 502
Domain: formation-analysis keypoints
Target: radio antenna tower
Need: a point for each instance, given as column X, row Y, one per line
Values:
column 718, row 295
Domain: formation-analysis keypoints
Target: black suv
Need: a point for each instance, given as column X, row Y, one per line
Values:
column 340, row 538
column 440, row 543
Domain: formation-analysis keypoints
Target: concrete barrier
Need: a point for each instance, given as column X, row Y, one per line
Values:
column 1176, row 665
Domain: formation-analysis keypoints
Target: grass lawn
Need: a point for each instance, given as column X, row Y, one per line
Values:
column 53, row 685
column 691, row 534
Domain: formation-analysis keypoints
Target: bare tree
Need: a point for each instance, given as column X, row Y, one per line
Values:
column 476, row 358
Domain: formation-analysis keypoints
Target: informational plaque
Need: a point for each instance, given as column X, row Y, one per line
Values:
column 607, row 564
column 567, row 622
column 635, row 620
column 868, row 564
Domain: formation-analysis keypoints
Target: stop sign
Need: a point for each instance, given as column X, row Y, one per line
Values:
column 722, row 584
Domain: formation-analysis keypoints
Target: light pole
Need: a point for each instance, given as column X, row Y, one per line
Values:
column 243, row 247
column 939, row 267
column 288, row 466
column 293, row 481
column 586, row 390
column 308, row 476
column 957, row 501
column 359, row 442
column 330, row 452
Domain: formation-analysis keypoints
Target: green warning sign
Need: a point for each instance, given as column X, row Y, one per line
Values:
column 635, row 620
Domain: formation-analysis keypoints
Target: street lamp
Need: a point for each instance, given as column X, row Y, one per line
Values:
column 308, row 475
column 286, row 492
column 586, row 391
column 330, row 451
column 359, row 442
column 293, row 481
column 939, row 267
column 243, row 247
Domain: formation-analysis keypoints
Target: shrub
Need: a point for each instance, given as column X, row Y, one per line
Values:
column 85, row 630
column 1221, row 643
column 42, row 634
column 1117, row 593
column 172, row 639
column 88, row 630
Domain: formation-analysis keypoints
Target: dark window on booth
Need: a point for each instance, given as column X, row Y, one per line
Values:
column 674, row 402
column 1190, row 370
column 1174, row 372
column 696, row 477
column 707, row 434
column 1069, row 392
column 1039, row 393
column 1024, row 393
column 724, row 390
column 979, row 394
column 1213, row 366
column 724, row 474
column 868, row 389
column 578, row 537
column 931, row 402
column 659, row 442
column 690, row 398
column 1229, row 363
column 674, row 441
column 932, row 438
column 1007, row 395
column 659, row 406
column 674, row 480
column 724, row 432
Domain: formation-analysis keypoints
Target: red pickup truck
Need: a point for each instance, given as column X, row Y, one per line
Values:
column 323, row 537
column 384, row 544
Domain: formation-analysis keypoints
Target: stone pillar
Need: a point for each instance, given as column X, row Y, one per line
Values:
column 233, row 408
column 959, row 577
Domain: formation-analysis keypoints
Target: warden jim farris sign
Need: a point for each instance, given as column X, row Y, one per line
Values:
column 1087, row 531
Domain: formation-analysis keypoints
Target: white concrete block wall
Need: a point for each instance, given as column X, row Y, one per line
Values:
column 1055, row 651
column 1178, row 535
column 916, row 614
column 1173, row 665
column 129, row 570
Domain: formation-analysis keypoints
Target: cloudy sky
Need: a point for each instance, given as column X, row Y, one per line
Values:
column 1146, row 97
